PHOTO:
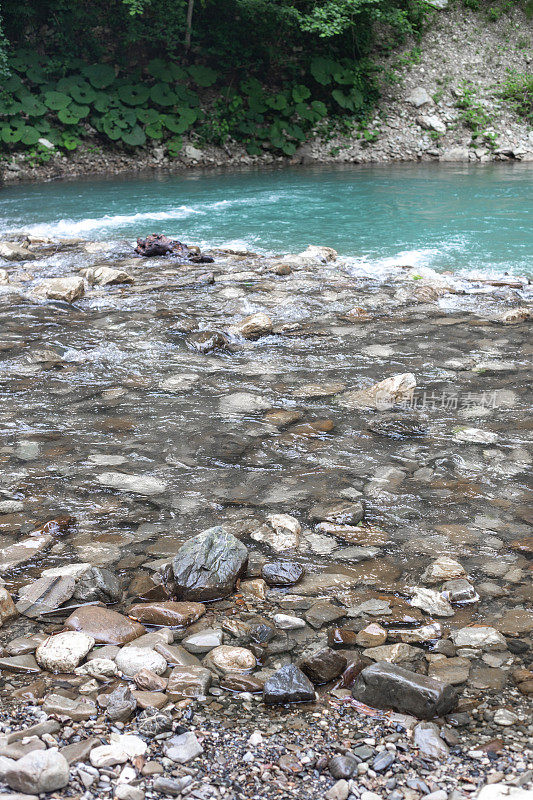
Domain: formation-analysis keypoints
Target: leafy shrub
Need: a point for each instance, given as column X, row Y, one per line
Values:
column 518, row 89
column 163, row 103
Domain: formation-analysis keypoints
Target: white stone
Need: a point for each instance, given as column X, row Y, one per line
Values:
column 443, row 569
column 418, row 97
column 255, row 739
column 139, row 484
column 107, row 755
column 288, row 623
column 64, row 651
column 11, row 251
column 311, row 256
column 285, row 532
column 38, row 772
column 130, row 660
column 505, row 718
column 68, row 289
column 427, row 739
column 46, row 143
column 71, row 570
column 253, row 327
column 132, row 745
column 183, row 748
column 382, row 395
column 243, row 403
column 432, row 602
column 479, row 637
column 393, row 653
column 474, row 436
column 226, row 658
column 7, row 606
column 182, row 382
column 456, row 154
column 191, row 153
column 430, row 122
column 106, row 276
column 500, row 791
column 102, row 668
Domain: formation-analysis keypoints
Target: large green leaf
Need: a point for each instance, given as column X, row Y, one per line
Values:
column 174, row 146
column 12, row 83
column 203, row 76
column 181, row 123
column 147, row 115
column 278, row 102
column 72, row 114
column 155, row 129
column 163, row 95
column 134, row 137
column 9, row 108
column 33, row 107
column 56, row 100
column 322, row 69
column 100, row 75
column 36, row 74
column 300, row 93
column 83, row 93
column 30, row 135
column 11, row 133
column 134, row 94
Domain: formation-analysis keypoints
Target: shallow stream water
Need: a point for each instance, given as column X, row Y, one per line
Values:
column 85, row 388
column 115, row 383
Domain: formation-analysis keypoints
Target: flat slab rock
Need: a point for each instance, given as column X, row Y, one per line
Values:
column 45, row 595
column 384, row 685
column 15, row 554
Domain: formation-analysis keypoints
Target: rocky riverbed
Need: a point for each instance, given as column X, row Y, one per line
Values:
column 264, row 527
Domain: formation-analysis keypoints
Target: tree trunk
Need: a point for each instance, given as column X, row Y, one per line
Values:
column 190, row 9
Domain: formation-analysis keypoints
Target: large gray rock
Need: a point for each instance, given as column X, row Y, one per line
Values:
column 208, row 565
column 384, row 685
column 288, row 685
column 38, row 772
column 98, row 584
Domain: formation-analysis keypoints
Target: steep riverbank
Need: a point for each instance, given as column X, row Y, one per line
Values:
column 426, row 111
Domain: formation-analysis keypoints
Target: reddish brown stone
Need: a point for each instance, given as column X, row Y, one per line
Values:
column 104, row 625
column 168, row 612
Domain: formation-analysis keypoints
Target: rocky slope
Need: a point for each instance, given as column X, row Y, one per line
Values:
column 418, row 118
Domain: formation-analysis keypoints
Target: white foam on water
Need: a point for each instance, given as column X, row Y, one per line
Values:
column 71, row 228
column 383, row 267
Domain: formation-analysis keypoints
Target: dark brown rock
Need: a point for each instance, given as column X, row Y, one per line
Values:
column 323, row 665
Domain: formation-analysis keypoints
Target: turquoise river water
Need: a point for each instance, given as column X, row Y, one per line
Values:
column 457, row 217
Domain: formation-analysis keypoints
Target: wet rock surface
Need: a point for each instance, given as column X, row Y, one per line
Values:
column 242, row 514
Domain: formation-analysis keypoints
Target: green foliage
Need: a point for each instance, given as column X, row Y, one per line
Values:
column 518, row 89
column 261, row 73
column 474, row 116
